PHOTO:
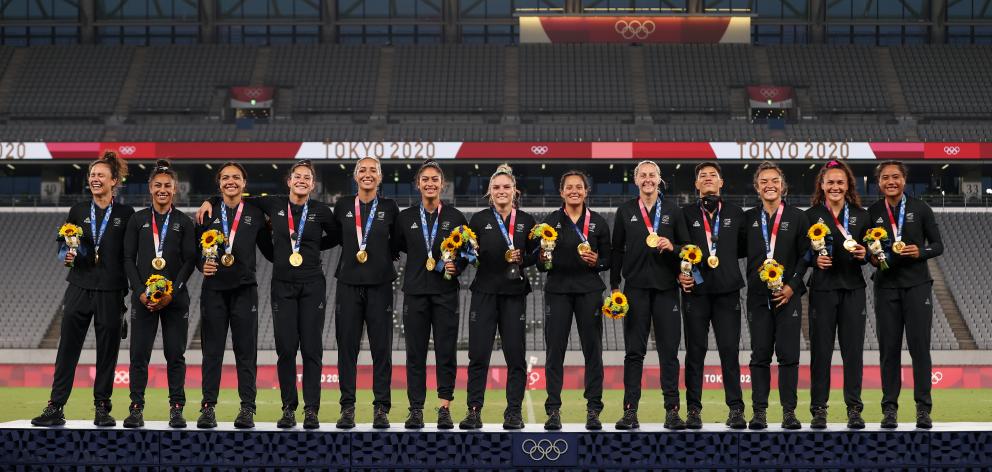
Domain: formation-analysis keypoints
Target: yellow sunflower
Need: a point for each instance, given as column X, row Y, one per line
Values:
column 818, row 231
column 456, row 238
column 549, row 234
column 70, row 230
column 877, row 233
column 448, row 244
column 691, row 253
column 154, row 278
column 619, row 299
column 211, row 238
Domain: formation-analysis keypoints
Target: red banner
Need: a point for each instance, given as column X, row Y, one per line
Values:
column 770, row 96
column 635, row 29
column 252, row 97
column 33, row 375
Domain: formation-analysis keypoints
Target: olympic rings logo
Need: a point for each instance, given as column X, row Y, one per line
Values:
column 127, row 150
column 634, row 29
column 769, row 92
column 539, row 150
column 122, row 377
column 253, row 92
column 936, row 377
column 952, row 150
column 544, row 449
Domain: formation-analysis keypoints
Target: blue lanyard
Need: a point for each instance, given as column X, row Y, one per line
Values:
column 429, row 241
column 844, row 215
column 98, row 236
column 771, row 239
column 714, row 239
column 300, row 225
column 588, row 216
column 162, row 232
column 902, row 217
column 368, row 223
column 657, row 212
column 502, row 227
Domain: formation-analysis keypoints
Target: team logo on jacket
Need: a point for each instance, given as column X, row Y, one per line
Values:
column 117, row 221
column 175, row 227
column 488, row 226
column 878, row 221
column 413, row 226
column 349, row 215
column 216, row 221
column 755, row 225
column 726, row 221
column 87, row 220
column 446, row 225
column 281, row 213
column 145, row 226
column 592, row 227
column 910, row 217
column 247, row 220
column 695, row 224
column 852, row 220
column 520, row 227
column 785, row 226
column 381, row 215
column 666, row 219
column 633, row 218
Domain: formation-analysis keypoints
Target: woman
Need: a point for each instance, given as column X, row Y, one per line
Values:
column 96, row 290
column 298, row 289
column 837, row 292
column 574, row 288
column 775, row 231
column 499, row 298
column 160, row 240
column 365, row 223
column 644, row 255
column 430, row 302
column 230, row 295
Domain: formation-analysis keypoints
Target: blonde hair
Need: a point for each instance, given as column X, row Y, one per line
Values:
column 503, row 169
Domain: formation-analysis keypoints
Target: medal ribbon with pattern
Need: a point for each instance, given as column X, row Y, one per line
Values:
column 584, row 245
column 897, row 227
column 652, row 240
column 159, row 239
column 712, row 234
column 230, row 234
column 429, row 240
column 363, row 235
column 296, row 234
column 773, row 238
column 98, row 235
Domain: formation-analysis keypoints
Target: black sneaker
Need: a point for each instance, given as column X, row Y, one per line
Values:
column 693, row 420
column 444, row 420
column 380, row 418
column 137, row 418
column 819, row 420
column 208, row 417
column 473, row 419
column 347, row 419
column 52, row 415
column 592, row 421
column 854, row 419
column 310, row 420
column 890, row 418
column 759, row 420
column 735, row 419
column 923, row 419
column 629, row 420
column 789, row 420
column 554, row 421
column 245, row 419
column 176, row 419
column 673, row 421
column 415, row 419
column 513, row 419
column 288, row 419
column 101, row 416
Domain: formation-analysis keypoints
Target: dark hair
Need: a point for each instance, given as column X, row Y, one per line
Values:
column 118, row 168
column 851, row 196
column 241, row 168
column 902, row 168
column 570, row 173
column 302, row 163
column 769, row 165
column 163, row 166
column 703, row 165
column 429, row 164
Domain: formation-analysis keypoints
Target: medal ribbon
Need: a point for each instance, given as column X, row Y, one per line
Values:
column 843, row 228
column 584, row 234
column 507, row 235
column 229, row 236
column 652, row 227
column 298, row 231
column 770, row 245
column 715, row 231
column 159, row 238
column 98, row 236
column 429, row 240
column 363, row 236
column 897, row 228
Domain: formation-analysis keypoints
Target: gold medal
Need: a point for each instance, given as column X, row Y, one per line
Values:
column 362, row 256
column 898, row 247
column 653, row 240
column 850, row 245
column 158, row 263
column 584, row 247
column 295, row 259
column 508, row 255
column 713, row 262
column 431, row 264
column 227, row 260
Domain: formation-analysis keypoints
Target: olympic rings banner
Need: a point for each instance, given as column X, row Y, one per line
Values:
column 635, row 29
column 420, row 150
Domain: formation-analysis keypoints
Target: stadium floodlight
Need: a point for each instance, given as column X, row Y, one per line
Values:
column 275, row 167
column 76, row 166
column 678, row 166
column 944, row 167
column 342, row 166
column 208, row 166
column 988, row 191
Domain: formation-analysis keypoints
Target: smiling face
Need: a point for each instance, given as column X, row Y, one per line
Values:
column 501, row 190
column 647, row 178
column 430, row 183
column 367, row 174
column 163, row 190
column 301, row 181
column 891, row 181
column 835, row 185
column 232, row 181
column 573, row 190
column 769, row 185
column 708, row 181
column 101, row 180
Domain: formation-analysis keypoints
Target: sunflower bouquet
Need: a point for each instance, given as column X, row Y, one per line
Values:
column 876, row 239
column 615, row 306
column 771, row 273
column 157, row 287
column 210, row 242
column 690, row 255
column 70, row 235
column 548, row 237
column 818, row 234
column 461, row 241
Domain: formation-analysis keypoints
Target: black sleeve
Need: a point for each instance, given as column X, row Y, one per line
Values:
column 934, row 244
column 197, row 234
column 619, row 248
column 742, row 248
column 460, row 262
column 398, row 239
column 190, row 254
column 603, row 243
column 263, row 240
column 332, row 231
column 802, row 247
column 531, row 247
column 682, row 236
column 131, row 255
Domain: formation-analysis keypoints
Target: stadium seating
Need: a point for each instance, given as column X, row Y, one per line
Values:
column 839, row 78
column 445, row 79
column 695, row 77
column 945, row 80
column 574, row 78
column 965, row 266
column 186, row 79
column 326, row 78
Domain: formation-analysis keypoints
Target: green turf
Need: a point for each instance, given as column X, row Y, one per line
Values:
column 949, row 405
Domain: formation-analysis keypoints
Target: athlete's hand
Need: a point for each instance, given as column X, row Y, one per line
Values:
column 687, row 282
column 782, row 297
column 911, row 250
column 824, row 262
column 590, row 258
column 203, row 211
column 665, row 245
column 209, row 267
